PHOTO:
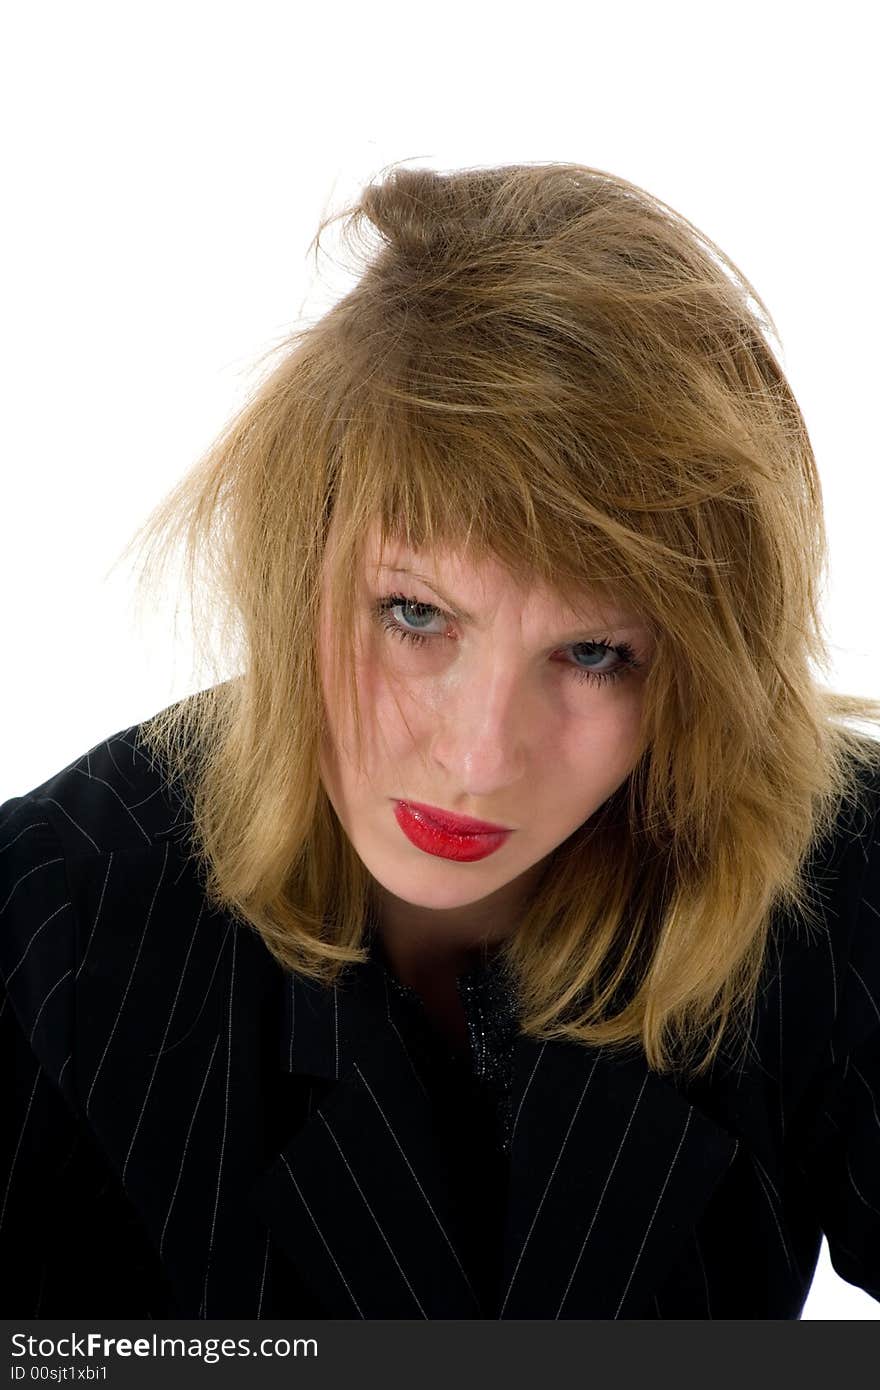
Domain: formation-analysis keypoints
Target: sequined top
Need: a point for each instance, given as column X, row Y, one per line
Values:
column 471, row 1097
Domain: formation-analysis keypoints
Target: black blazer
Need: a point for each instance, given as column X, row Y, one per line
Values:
column 193, row 1132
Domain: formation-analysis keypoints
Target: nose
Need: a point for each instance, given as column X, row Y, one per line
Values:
column 482, row 739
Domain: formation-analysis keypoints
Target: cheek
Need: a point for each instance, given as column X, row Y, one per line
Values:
column 600, row 745
column 335, row 679
column 389, row 718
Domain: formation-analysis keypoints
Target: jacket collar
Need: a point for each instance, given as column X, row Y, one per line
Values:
column 610, row 1166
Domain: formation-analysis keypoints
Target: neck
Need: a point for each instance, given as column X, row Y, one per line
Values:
column 430, row 945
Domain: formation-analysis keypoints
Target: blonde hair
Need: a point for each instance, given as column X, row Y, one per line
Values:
column 548, row 366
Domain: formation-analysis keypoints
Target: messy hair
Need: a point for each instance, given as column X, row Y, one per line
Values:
column 548, row 367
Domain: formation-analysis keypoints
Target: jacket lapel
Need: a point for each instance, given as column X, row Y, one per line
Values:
column 357, row 1197
column 610, row 1167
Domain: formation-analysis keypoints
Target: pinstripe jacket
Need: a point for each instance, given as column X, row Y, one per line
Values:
column 190, row 1131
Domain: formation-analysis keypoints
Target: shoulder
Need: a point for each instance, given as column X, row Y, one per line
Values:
column 113, row 796
column 821, row 993
column 845, row 874
column 858, row 921
column 80, row 855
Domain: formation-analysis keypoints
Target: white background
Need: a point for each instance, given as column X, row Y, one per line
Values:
column 166, row 165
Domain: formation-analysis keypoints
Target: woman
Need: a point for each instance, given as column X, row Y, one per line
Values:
column 525, row 531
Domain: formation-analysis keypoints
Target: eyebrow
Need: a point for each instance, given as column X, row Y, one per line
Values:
column 619, row 624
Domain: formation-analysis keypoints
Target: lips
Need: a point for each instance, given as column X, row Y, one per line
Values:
column 433, row 838
column 455, row 825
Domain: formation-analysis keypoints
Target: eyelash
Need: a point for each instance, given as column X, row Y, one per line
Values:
column 623, row 650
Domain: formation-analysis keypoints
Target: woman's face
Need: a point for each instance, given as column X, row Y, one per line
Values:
column 489, row 716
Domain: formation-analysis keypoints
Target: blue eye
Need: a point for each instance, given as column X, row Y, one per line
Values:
column 626, row 658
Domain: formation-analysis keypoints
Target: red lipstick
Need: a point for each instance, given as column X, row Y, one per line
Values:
column 448, row 836
column 458, row 825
